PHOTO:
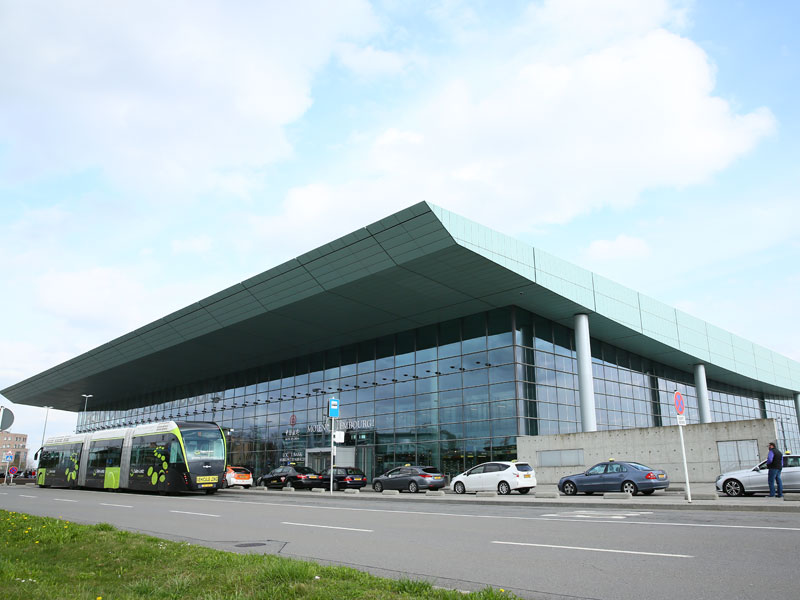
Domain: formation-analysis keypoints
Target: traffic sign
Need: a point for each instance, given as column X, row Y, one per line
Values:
column 8, row 457
column 681, row 420
column 679, row 404
column 13, row 471
column 333, row 408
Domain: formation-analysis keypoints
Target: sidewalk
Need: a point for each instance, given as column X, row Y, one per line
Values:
column 669, row 500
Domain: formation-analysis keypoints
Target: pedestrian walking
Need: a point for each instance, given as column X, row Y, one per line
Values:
column 775, row 464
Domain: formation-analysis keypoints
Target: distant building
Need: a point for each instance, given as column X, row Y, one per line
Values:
column 443, row 341
column 16, row 444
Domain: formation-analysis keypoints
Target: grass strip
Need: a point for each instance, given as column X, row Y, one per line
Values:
column 43, row 558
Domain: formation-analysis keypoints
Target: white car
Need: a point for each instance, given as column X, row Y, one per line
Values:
column 498, row 476
column 751, row 481
column 238, row 476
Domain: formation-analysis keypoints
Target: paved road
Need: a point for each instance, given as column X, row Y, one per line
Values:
column 537, row 552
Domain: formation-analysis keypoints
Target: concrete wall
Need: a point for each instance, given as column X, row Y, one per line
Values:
column 657, row 447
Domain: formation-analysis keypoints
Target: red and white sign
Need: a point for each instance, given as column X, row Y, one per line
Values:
column 679, row 404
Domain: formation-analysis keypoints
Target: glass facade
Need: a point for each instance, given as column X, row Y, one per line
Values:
column 453, row 394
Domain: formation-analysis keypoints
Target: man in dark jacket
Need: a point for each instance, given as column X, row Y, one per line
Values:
column 775, row 464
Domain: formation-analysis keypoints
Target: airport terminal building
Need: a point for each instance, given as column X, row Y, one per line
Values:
column 444, row 342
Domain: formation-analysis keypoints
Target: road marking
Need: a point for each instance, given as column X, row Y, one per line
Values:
column 63, row 500
column 326, row 526
column 499, row 517
column 24, row 496
column 595, row 549
column 118, row 505
column 184, row 512
column 594, row 514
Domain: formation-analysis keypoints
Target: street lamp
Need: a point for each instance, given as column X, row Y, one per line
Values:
column 85, row 404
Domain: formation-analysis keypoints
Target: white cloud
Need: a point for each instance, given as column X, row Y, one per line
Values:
column 194, row 245
column 370, row 61
column 184, row 96
column 623, row 247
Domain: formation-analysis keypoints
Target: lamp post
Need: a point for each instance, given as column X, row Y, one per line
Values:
column 85, row 404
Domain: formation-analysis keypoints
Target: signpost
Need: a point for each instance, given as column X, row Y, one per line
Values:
column 680, row 406
column 333, row 413
column 8, row 458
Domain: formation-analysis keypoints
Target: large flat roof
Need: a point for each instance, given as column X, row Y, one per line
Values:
column 416, row 267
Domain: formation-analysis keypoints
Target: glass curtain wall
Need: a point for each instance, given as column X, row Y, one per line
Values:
column 453, row 394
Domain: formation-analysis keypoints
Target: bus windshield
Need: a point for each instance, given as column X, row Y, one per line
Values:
column 203, row 444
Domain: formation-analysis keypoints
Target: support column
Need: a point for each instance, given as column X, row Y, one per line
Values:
column 583, row 349
column 702, row 393
column 797, row 406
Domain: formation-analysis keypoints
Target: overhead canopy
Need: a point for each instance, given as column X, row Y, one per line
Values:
column 419, row 266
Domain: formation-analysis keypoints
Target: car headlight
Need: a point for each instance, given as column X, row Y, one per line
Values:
column 719, row 477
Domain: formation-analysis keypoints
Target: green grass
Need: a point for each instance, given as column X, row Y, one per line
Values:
column 43, row 558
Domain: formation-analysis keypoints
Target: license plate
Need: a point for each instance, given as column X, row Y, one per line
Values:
column 436, row 477
column 312, row 476
column 662, row 476
column 204, row 485
column 527, row 476
column 358, row 479
column 207, row 479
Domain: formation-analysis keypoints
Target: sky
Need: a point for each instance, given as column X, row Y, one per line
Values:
column 152, row 154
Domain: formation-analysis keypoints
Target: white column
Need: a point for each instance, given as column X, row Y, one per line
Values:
column 797, row 406
column 702, row 393
column 583, row 348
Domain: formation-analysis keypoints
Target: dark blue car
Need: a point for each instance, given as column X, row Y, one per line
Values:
column 615, row 476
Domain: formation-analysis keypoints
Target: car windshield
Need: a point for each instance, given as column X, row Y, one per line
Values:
column 240, row 470
column 352, row 471
column 430, row 470
column 640, row 467
column 203, row 444
column 524, row 467
column 304, row 470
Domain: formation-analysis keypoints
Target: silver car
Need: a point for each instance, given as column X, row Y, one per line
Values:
column 753, row 481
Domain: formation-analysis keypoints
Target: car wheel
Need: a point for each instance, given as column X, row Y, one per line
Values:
column 288, row 484
column 732, row 487
column 503, row 488
column 459, row 488
column 630, row 487
column 377, row 486
column 647, row 492
column 524, row 490
column 413, row 487
column 569, row 488
column 224, row 483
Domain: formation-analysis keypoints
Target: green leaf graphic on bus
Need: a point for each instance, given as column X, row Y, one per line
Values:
column 157, row 475
column 72, row 471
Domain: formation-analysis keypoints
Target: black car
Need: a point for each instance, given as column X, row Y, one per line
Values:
column 343, row 477
column 291, row 477
column 411, row 478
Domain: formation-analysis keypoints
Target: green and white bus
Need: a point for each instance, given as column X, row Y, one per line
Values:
column 165, row 457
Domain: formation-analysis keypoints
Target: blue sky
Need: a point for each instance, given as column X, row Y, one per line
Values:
column 151, row 155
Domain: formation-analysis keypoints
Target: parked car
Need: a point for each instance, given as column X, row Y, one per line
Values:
column 291, row 476
column 343, row 477
column 501, row 476
column 237, row 476
column 615, row 476
column 752, row 481
column 410, row 477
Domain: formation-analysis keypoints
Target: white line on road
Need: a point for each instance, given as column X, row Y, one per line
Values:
column 468, row 516
column 118, row 505
column 326, row 526
column 184, row 512
column 24, row 496
column 63, row 500
column 595, row 549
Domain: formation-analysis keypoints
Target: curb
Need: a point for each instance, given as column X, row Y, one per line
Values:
column 677, row 503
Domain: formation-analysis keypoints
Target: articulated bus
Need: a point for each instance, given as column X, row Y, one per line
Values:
column 162, row 457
